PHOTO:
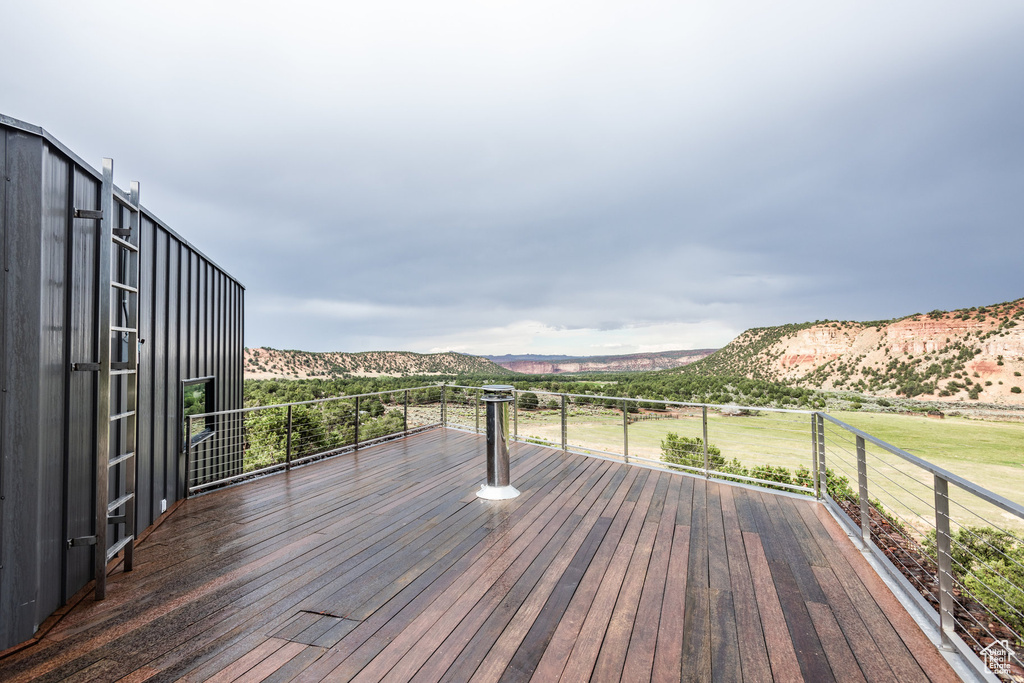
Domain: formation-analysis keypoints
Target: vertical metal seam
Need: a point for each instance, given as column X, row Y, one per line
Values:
column 69, row 257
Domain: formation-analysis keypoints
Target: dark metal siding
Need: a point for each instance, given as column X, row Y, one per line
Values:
column 191, row 318
column 20, row 489
column 81, row 433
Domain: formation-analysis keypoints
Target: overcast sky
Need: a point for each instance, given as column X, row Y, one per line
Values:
column 553, row 177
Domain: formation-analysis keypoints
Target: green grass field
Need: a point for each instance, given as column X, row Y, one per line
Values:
column 990, row 454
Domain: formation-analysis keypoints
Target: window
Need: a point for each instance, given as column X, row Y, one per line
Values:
column 197, row 397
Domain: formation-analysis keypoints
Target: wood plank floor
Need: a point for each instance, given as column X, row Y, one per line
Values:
column 383, row 565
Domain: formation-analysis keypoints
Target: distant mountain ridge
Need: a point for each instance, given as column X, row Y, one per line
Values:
column 974, row 354
column 266, row 363
column 534, row 364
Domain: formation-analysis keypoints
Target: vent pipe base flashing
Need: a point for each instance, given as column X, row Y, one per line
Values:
column 497, row 492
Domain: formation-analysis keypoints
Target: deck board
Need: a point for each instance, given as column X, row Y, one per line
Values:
column 383, row 565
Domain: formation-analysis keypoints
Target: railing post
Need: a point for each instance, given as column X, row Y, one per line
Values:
column 515, row 415
column 288, row 446
column 943, row 544
column 476, row 398
column 704, row 419
column 862, row 480
column 405, row 412
column 625, row 432
column 444, row 406
column 822, row 469
column 814, row 455
column 356, row 443
column 189, row 462
column 564, row 448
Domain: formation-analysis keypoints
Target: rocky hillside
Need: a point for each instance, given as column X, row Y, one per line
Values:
column 969, row 354
column 636, row 362
column 262, row 363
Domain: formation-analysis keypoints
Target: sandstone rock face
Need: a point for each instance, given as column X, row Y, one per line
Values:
column 942, row 352
column 627, row 363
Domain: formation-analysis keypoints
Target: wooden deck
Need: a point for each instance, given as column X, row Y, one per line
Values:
column 385, row 566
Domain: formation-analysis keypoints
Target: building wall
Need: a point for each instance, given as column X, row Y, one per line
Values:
column 191, row 320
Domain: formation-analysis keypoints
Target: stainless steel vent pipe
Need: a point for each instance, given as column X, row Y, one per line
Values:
column 497, row 397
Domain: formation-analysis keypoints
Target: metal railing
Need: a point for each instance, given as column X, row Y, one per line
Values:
column 227, row 446
column 958, row 548
column 955, row 544
column 763, row 446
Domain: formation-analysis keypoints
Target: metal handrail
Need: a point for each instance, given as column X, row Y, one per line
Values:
column 969, row 486
column 687, row 404
column 954, row 591
column 237, row 411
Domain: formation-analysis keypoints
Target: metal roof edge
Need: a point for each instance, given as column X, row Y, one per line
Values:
column 39, row 131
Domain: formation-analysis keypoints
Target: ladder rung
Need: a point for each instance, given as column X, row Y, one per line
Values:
column 122, row 232
column 120, row 459
column 118, row 547
column 119, row 365
column 118, row 328
column 85, row 367
column 91, row 214
column 122, row 372
column 127, row 288
column 126, row 202
column 119, row 502
column 121, row 416
column 125, row 244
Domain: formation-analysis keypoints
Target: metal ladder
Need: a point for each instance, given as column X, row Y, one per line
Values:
column 117, row 391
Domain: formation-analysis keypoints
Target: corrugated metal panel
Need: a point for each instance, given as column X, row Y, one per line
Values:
column 145, row 510
column 52, row 374
column 21, row 358
column 191, row 317
column 82, row 386
column 5, row 601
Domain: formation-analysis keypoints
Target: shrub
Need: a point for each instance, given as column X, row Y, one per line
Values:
column 689, row 451
column 1000, row 586
column 528, row 401
column 990, row 564
column 1014, row 390
column 770, row 473
column 839, row 486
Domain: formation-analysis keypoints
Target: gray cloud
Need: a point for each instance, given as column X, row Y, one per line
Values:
column 564, row 176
